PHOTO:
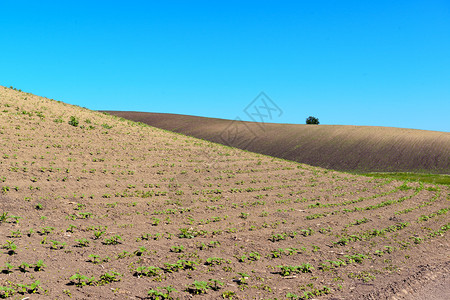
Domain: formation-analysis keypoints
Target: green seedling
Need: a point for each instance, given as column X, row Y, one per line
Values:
column 290, row 270
column 177, row 249
column 16, row 234
column 147, row 271
column 140, row 251
column 243, row 277
column 215, row 284
column 46, row 230
column 81, row 280
column 98, row 234
column 109, row 277
column 158, row 294
column 82, row 242
column 56, row 245
column 198, row 287
column 4, row 217
column 23, row 267
column 11, row 247
column 114, row 240
column 7, row 269
column 6, row 292
column 39, row 266
column 214, row 261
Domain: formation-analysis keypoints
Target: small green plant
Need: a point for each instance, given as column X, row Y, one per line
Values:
column 94, row 258
column 147, row 271
column 82, row 242
column 6, row 292
column 307, row 232
column 4, row 216
column 46, row 230
column 198, row 287
column 214, row 261
column 215, row 284
column 11, row 247
column 242, row 258
column 158, row 294
column 70, row 228
column 81, row 280
column 214, row 244
column 106, row 126
column 228, row 295
column 98, row 234
column 155, row 221
column 292, row 296
column 7, row 269
column 244, row 215
column 39, row 266
column 187, row 233
column 243, row 277
column 289, row 270
column 177, row 249
column 123, row 255
column 23, row 267
column 29, row 288
column 16, row 234
column 254, row 256
column 73, row 121
column 276, row 253
column 114, row 240
column 15, row 219
column 56, row 245
column 109, row 277
column 140, row 251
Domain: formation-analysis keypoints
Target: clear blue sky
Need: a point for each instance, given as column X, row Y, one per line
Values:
column 383, row 63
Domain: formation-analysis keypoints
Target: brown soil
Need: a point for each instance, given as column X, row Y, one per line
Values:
column 338, row 147
column 111, row 195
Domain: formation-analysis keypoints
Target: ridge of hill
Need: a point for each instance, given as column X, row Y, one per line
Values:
column 337, row 147
column 93, row 206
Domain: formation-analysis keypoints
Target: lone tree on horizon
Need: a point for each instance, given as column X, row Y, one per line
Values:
column 312, row 120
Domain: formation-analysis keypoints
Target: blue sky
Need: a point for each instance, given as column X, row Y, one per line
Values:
column 378, row 63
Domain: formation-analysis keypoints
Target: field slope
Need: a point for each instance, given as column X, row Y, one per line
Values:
column 93, row 206
column 338, row 147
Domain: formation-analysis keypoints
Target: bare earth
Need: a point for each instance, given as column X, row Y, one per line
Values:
column 338, row 147
column 105, row 208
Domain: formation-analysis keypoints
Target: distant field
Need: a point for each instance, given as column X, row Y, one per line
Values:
column 430, row 178
column 345, row 148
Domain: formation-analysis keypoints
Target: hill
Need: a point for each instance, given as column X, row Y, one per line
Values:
column 93, row 206
column 337, row 147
